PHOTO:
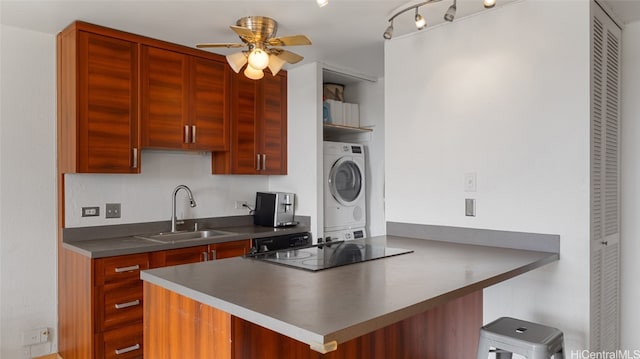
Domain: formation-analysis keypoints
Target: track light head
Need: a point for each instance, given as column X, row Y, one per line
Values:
column 388, row 33
column 488, row 4
column 421, row 23
column 451, row 13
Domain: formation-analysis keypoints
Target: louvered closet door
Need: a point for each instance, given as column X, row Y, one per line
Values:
column 605, row 181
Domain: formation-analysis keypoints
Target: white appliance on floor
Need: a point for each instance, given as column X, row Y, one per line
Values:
column 344, row 187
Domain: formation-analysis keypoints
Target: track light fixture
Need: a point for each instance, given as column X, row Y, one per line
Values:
column 388, row 33
column 451, row 12
column 420, row 21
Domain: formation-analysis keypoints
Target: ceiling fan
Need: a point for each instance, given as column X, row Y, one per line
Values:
column 258, row 34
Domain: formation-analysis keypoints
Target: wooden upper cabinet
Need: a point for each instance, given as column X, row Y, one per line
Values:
column 97, row 103
column 184, row 104
column 258, row 127
column 273, row 125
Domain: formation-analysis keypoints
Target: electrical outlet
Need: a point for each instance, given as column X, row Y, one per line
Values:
column 469, row 207
column 90, row 211
column 241, row 204
column 35, row 336
column 112, row 210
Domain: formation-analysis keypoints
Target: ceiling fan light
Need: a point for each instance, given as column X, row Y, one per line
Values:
column 488, row 4
column 253, row 73
column 237, row 60
column 275, row 64
column 322, row 3
column 258, row 59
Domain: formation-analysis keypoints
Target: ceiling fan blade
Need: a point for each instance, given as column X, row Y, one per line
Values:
column 287, row 56
column 294, row 40
column 227, row 45
column 243, row 32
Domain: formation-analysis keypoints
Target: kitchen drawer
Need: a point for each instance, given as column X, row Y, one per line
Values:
column 121, row 343
column 120, row 268
column 119, row 304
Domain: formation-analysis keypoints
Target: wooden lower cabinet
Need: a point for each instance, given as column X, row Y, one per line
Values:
column 101, row 300
column 177, row 326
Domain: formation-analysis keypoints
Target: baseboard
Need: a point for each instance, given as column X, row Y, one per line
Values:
column 50, row 356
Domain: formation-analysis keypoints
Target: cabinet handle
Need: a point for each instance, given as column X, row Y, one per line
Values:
column 186, row 134
column 128, row 304
column 135, row 158
column 205, row 256
column 127, row 349
column 258, row 166
column 214, row 255
column 264, row 162
column 127, row 269
column 605, row 243
column 193, row 134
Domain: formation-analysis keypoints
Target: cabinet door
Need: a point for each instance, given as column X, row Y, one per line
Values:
column 164, row 82
column 273, row 124
column 229, row 249
column 209, row 107
column 107, row 118
column 244, row 145
column 173, row 257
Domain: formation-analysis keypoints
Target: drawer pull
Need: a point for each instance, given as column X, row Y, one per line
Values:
column 127, row 269
column 128, row 304
column 127, row 349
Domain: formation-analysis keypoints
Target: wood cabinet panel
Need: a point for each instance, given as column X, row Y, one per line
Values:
column 120, row 268
column 273, row 126
column 184, row 101
column 122, row 343
column 258, row 127
column 210, row 82
column 229, row 249
column 118, row 304
column 98, row 83
column 450, row 330
column 173, row 257
column 164, row 82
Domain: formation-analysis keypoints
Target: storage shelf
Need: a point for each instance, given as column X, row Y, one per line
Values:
column 333, row 129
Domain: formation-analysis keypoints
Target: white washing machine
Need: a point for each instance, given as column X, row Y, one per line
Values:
column 344, row 186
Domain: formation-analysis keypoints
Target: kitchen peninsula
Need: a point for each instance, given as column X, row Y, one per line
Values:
column 424, row 304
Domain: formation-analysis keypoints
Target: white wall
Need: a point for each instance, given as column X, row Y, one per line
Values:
column 28, row 189
column 630, row 313
column 304, row 143
column 504, row 94
column 370, row 96
column 146, row 197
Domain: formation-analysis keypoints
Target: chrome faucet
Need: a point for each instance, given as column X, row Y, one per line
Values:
column 192, row 203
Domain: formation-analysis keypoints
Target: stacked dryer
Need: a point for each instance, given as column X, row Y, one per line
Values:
column 344, row 191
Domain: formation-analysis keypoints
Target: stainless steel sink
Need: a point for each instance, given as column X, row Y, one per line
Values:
column 173, row 237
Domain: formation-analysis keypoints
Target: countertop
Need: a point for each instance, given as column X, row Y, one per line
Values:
column 339, row 304
column 122, row 240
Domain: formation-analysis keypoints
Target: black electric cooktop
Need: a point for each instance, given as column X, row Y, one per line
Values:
column 329, row 255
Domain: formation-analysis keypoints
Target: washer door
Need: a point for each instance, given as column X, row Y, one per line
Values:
column 345, row 181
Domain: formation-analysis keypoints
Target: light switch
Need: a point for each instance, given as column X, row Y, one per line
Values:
column 469, row 207
column 470, row 182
